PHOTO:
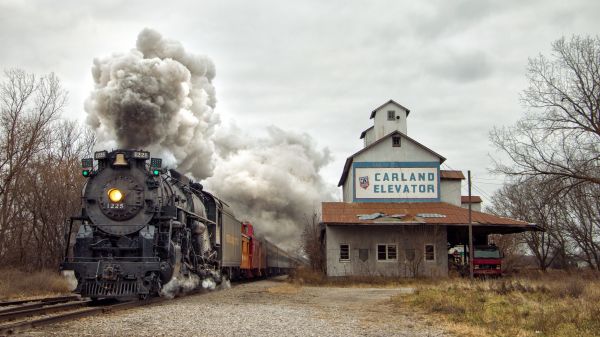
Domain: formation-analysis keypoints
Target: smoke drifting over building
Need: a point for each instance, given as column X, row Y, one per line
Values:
column 273, row 181
column 160, row 98
column 157, row 97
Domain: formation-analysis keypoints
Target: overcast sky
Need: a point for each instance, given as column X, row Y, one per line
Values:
column 321, row 66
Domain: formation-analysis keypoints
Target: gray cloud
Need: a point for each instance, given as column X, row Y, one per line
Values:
column 320, row 67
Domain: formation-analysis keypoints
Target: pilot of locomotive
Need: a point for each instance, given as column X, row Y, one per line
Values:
column 140, row 227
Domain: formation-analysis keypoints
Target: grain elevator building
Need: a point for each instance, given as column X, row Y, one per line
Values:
column 400, row 211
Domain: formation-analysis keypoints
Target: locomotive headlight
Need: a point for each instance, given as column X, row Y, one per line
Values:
column 115, row 195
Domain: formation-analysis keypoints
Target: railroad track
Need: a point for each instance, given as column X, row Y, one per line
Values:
column 24, row 317
column 41, row 300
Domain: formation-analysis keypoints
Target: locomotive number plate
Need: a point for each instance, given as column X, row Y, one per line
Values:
column 116, row 206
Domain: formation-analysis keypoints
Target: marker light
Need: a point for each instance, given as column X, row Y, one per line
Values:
column 115, row 195
column 85, row 173
column 155, row 172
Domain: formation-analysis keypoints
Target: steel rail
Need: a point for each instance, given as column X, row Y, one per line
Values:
column 12, row 314
column 12, row 328
column 41, row 300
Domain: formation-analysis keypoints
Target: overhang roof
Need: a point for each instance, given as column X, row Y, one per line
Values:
column 390, row 101
column 351, row 158
column 475, row 199
column 434, row 213
column 364, row 133
column 451, row 175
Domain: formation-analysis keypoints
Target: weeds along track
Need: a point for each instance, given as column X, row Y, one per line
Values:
column 27, row 316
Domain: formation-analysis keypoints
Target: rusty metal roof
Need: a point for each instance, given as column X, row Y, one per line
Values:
column 451, row 175
column 342, row 213
column 474, row 199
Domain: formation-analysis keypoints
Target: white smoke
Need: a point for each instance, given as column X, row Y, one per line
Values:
column 160, row 98
column 180, row 285
column 157, row 97
column 273, row 181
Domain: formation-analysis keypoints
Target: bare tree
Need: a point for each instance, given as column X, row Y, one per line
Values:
column 559, row 137
column 28, row 105
column 312, row 242
column 534, row 201
column 582, row 222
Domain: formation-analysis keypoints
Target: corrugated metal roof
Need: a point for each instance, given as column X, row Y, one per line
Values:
column 474, row 199
column 447, row 174
column 342, row 213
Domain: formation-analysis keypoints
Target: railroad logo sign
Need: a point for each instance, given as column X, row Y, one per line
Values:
column 364, row 182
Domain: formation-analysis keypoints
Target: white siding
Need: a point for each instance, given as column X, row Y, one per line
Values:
column 450, row 191
column 383, row 126
column 475, row 206
column 369, row 137
column 385, row 152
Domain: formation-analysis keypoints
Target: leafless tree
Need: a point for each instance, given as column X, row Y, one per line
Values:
column 312, row 242
column 534, row 201
column 582, row 222
column 559, row 137
column 28, row 105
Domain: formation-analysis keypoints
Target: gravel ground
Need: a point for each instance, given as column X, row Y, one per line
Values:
column 264, row 308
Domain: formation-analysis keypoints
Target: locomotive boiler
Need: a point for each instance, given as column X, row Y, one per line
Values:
column 142, row 226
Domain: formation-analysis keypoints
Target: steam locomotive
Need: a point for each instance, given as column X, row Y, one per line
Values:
column 144, row 229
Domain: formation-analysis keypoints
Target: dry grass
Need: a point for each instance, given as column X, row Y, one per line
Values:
column 307, row 277
column 553, row 304
column 15, row 284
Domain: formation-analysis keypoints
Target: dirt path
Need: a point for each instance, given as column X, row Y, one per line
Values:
column 264, row 308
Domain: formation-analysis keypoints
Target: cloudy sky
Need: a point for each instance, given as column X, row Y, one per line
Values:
column 320, row 67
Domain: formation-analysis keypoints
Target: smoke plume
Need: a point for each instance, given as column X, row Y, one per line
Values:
column 157, row 97
column 160, row 98
column 273, row 181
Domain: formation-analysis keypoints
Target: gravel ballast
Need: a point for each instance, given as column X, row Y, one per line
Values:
column 263, row 308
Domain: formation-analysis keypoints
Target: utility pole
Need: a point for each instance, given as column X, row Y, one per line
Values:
column 470, row 230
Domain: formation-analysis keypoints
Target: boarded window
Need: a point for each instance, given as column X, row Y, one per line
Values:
column 396, row 141
column 387, row 252
column 391, row 115
column 363, row 254
column 344, row 252
column 429, row 253
column 391, row 252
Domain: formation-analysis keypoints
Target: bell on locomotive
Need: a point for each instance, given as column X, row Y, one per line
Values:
column 113, row 254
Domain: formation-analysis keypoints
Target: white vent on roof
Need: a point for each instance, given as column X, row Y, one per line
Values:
column 370, row 216
column 431, row 215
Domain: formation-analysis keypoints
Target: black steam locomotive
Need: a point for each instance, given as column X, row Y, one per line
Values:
column 144, row 229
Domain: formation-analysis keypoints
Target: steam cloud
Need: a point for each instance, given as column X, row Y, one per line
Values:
column 160, row 98
column 273, row 181
column 157, row 97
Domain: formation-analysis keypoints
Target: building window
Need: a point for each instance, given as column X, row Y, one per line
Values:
column 387, row 252
column 396, row 141
column 391, row 115
column 344, row 253
column 429, row 252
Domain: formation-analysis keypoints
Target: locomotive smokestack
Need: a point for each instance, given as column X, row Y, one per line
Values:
column 158, row 97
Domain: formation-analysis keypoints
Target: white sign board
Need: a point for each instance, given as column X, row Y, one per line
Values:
column 413, row 183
